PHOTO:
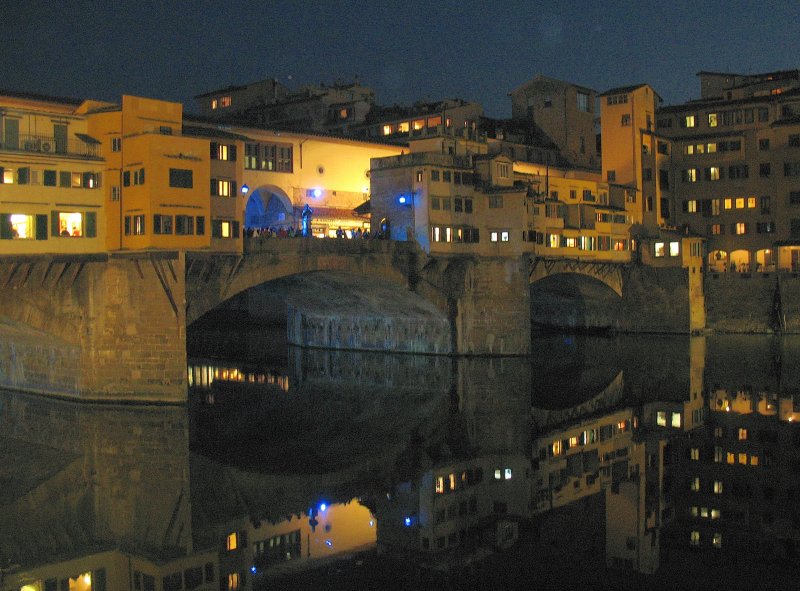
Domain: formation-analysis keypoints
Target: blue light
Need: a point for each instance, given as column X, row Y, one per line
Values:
column 253, row 569
column 402, row 200
column 407, row 522
column 317, row 193
column 323, row 507
column 329, row 544
column 245, row 189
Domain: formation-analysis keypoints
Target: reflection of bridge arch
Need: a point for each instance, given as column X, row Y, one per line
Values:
column 268, row 206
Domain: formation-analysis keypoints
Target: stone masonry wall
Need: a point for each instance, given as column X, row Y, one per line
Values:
column 655, row 300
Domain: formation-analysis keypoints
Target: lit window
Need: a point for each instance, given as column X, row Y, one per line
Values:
column 674, row 249
column 740, row 203
column 448, row 234
column 676, row 419
column 507, row 474
column 225, row 101
column 403, row 127
column 661, row 418
column 557, row 448
column 232, row 542
column 751, row 203
column 660, row 249
column 695, row 453
column 742, row 434
column 718, row 454
column 22, row 226
column 713, row 173
column 233, row 581
column 712, row 119
column 730, row 458
column 225, row 229
column 717, row 487
column 214, row 103
column 504, row 236
column 452, row 479
column 493, row 236
column 573, row 441
column 694, row 538
column 70, row 224
column 418, row 124
column 715, row 513
column 695, row 512
column 743, row 458
column 694, row 484
column 388, row 130
column 728, row 203
column 717, row 540
column 689, row 121
column 498, row 474
column 741, row 228
column 553, row 241
column 691, row 206
column 440, row 485
column 754, row 460
column 704, row 512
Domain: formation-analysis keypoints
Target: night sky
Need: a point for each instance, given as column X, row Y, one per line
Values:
column 405, row 50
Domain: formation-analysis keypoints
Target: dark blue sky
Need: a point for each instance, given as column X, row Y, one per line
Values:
column 405, row 50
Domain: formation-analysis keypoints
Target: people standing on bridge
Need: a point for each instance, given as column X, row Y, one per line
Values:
column 306, row 220
column 340, row 232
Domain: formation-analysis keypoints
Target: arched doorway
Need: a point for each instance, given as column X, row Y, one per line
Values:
column 740, row 261
column 268, row 207
column 766, row 260
column 717, row 261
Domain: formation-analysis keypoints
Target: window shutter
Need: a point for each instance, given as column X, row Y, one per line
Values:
column 216, row 229
column 214, row 185
column 91, row 224
column 54, row 229
column 2, row 175
column 235, row 229
column 214, row 150
column 233, row 188
column 232, row 153
column 41, row 226
column 5, row 226
column 126, row 178
column 23, row 178
column 201, row 225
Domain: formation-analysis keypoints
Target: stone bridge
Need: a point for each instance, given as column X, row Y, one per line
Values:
column 112, row 326
column 611, row 274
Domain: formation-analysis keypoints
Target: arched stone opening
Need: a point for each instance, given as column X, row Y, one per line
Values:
column 269, row 207
column 573, row 302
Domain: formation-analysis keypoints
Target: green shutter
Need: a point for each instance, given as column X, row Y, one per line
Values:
column 233, row 188
column 54, row 229
column 213, row 187
column 236, row 229
column 5, row 226
column 41, row 226
column 214, row 150
column 91, row 224
column 232, row 153
column 24, row 175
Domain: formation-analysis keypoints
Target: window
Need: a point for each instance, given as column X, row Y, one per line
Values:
column 674, row 249
column 138, row 176
column 277, row 157
column 717, row 488
column 17, row 226
column 794, row 198
column 434, row 175
column 712, row 119
column 694, row 484
column 764, row 169
column 717, row 229
column 694, row 453
column 740, row 228
column 223, row 151
column 134, row 225
column 162, row 224
column 447, row 176
column 763, row 143
column 233, row 581
column 626, row 120
column 659, row 249
column 503, row 170
column 73, row 224
column 690, row 206
column 791, row 169
column 223, row 188
column 583, row 102
column 611, row 176
column 116, row 144
column 689, row 175
column 739, row 171
column 794, row 140
column 184, row 224
column 694, row 538
column 687, row 121
column 232, row 541
column 495, row 201
column 763, row 114
column 716, row 541
column 180, row 178
column 712, row 173
column 224, row 229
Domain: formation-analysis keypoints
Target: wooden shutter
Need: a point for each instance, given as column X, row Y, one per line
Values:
column 90, row 218
column 5, row 226
column 54, row 229
column 41, row 226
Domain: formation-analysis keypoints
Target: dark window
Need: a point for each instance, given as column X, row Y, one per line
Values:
column 126, row 178
column 162, row 224
column 184, row 224
column 458, row 204
column 148, row 583
column 64, row 178
column 192, row 578
column 763, row 143
column 765, row 204
column 200, row 224
column 446, row 176
column 763, row 114
column 172, row 582
column 467, row 205
column 180, row 177
column 764, row 169
column 209, row 572
column 794, row 140
column 434, row 175
column 663, row 179
column 23, row 176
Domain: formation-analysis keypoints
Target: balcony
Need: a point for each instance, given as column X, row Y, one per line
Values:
column 82, row 147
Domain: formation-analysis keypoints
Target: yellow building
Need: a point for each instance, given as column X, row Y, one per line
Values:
column 157, row 189
column 51, row 177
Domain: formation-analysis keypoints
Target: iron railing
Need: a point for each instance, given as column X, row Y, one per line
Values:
column 44, row 144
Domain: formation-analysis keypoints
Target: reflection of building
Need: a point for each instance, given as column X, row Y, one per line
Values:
column 117, row 570
column 458, row 513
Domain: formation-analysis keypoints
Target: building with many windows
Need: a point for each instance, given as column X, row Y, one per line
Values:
column 52, row 177
column 734, row 168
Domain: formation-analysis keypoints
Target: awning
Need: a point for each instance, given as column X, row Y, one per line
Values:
column 365, row 208
column 86, row 138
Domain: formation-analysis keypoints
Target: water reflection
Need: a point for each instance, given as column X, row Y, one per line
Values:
column 605, row 462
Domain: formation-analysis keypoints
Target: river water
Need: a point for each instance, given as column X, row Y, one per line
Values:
column 597, row 462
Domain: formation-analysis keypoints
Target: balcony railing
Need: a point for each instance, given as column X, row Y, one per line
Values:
column 44, row 144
